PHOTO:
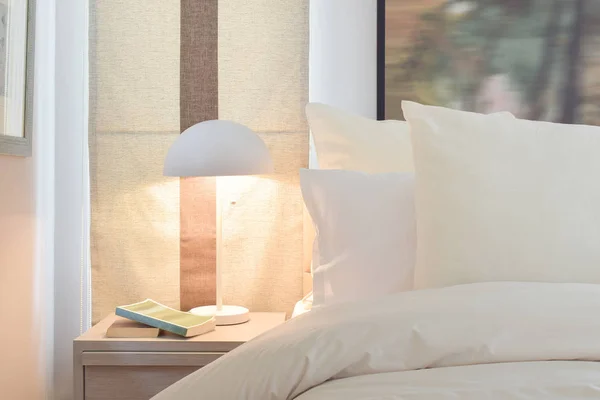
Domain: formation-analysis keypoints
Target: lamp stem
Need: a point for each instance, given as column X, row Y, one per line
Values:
column 219, row 244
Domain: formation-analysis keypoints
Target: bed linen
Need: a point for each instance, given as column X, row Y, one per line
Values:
column 443, row 343
column 365, row 241
column 344, row 140
column 550, row 380
column 303, row 306
column 501, row 199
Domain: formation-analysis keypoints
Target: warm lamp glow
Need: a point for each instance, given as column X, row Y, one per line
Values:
column 166, row 222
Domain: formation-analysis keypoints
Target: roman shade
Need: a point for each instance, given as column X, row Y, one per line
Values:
column 156, row 68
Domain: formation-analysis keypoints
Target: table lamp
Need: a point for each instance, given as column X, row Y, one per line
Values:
column 218, row 148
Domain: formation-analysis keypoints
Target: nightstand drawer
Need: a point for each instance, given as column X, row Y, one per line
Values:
column 155, row 359
column 130, row 383
column 137, row 375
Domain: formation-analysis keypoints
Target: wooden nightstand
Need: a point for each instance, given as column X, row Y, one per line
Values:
column 137, row 369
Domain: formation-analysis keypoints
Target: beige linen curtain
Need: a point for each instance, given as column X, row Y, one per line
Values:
column 157, row 67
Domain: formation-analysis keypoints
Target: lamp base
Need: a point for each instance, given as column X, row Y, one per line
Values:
column 228, row 315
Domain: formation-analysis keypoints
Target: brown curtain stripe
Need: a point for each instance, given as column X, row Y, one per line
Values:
column 199, row 101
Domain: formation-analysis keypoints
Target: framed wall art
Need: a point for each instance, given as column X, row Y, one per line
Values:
column 17, row 36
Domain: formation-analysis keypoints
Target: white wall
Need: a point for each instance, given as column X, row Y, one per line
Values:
column 343, row 54
column 19, row 347
column 26, row 240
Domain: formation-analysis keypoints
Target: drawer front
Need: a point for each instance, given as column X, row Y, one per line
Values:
column 149, row 358
column 130, row 382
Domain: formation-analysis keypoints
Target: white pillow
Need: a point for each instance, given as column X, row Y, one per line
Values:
column 365, row 233
column 502, row 199
column 348, row 141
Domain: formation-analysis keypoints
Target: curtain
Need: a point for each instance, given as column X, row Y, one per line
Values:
column 157, row 67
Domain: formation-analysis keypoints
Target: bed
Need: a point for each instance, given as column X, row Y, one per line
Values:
column 478, row 341
column 480, row 281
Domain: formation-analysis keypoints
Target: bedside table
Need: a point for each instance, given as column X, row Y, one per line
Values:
column 137, row 369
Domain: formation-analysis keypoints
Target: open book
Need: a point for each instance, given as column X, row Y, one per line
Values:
column 168, row 319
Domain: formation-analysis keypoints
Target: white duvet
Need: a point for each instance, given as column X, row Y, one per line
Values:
column 480, row 341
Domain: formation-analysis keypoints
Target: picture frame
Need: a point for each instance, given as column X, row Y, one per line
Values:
column 17, row 53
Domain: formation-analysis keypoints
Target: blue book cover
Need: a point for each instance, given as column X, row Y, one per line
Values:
column 168, row 319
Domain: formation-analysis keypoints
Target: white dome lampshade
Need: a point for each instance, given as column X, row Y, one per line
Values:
column 218, row 148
